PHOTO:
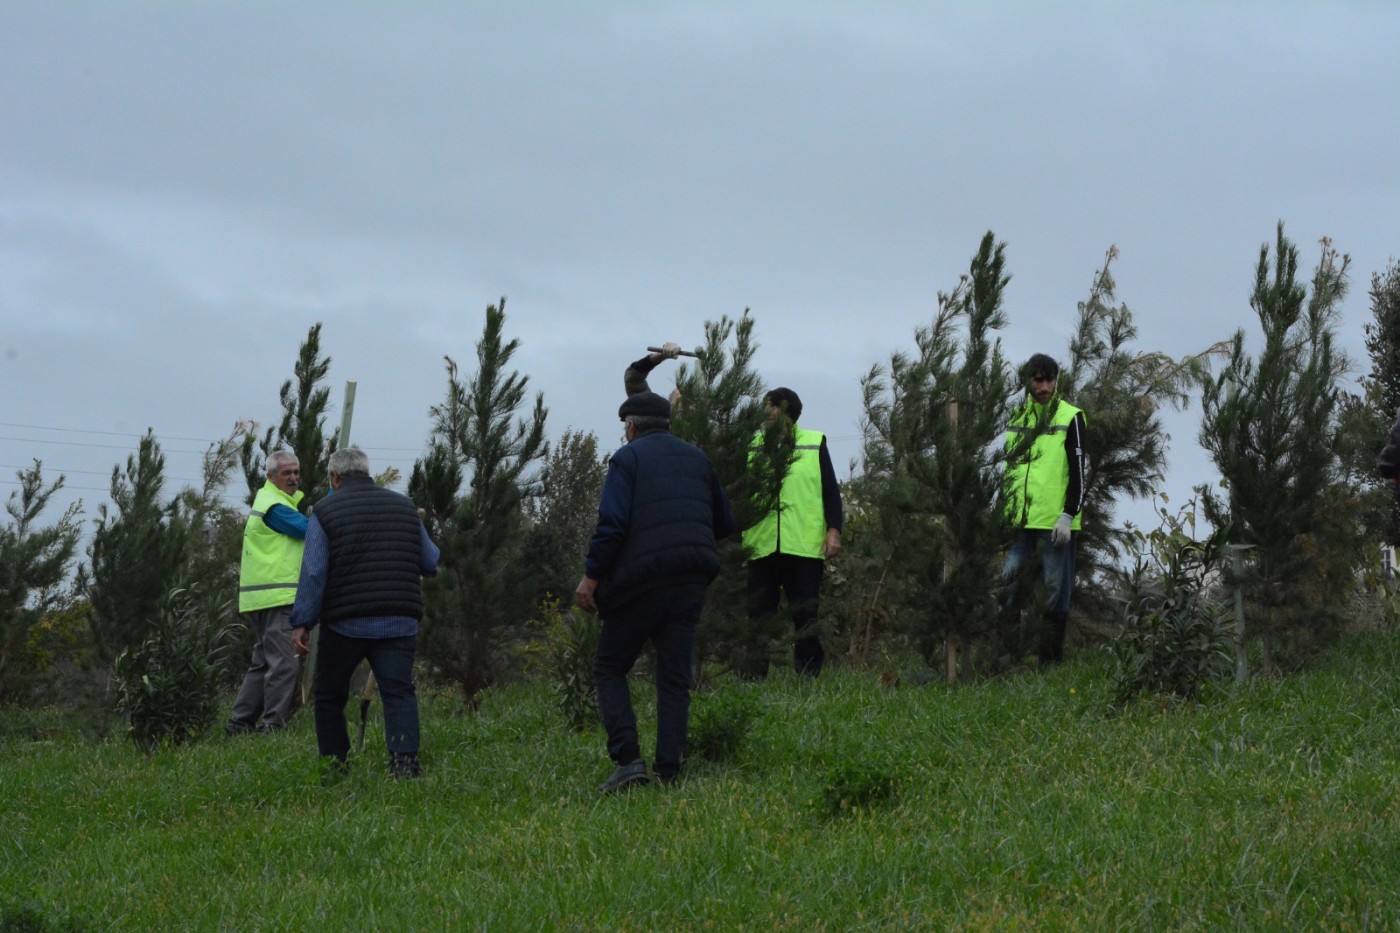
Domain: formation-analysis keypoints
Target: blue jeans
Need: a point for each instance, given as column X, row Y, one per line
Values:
column 1056, row 567
column 666, row 616
column 391, row 660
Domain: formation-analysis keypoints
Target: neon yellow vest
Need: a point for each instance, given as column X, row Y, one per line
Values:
column 1037, row 480
column 798, row 525
column 271, row 560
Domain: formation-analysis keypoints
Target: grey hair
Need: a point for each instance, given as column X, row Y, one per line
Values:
column 642, row 423
column 349, row 461
column 278, row 459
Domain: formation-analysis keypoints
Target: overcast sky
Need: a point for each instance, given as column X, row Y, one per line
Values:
column 186, row 188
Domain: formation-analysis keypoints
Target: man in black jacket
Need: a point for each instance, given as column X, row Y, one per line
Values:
column 366, row 552
column 649, row 564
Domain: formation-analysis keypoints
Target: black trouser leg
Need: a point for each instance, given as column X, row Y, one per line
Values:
column 802, row 581
column 765, row 590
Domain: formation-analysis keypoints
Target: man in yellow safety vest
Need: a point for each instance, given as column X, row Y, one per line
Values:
column 788, row 547
column 267, row 586
column 1045, row 479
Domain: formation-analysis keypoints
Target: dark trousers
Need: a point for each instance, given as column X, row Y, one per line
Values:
column 666, row 616
column 391, row 660
column 800, row 579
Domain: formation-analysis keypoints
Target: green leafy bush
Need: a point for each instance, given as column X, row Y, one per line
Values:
column 858, row 784
column 720, row 722
column 30, row 917
column 573, row 644
column 168, row 686
column 1175, row 637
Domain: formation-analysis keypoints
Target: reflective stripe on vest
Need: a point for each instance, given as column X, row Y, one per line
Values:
column 271, row 565
column 1036, row 482
column 798, row 525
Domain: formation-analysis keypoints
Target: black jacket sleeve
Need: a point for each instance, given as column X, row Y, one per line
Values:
column 634, row 380
column 1078, row 465
column 831, row 489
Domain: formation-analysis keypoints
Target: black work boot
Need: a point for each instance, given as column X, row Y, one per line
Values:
column 1052, row 637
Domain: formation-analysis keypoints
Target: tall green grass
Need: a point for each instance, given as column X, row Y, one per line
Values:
column 1017, row 803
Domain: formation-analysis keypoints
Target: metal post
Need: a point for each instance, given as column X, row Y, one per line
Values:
column 950, row 639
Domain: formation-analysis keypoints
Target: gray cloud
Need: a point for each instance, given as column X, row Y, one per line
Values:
column 184, row 190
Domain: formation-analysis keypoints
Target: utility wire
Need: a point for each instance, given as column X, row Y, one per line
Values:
column 41, row 427
column 168, row 437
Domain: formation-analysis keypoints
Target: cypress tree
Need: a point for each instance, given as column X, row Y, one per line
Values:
column 563, row 514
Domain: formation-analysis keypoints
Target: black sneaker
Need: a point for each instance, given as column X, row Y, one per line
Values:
column 237, row 727
column 334, row 770
column 633, row 773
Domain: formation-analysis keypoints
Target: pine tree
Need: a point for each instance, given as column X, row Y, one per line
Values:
column 303, row 426
column 474, row 607
column 214, row 534
column 721, row 411
column 1122, row 392
column 1382, row 399
column 34, row 562
column 933, row 461
column 137, row 552
column 1270, row 423
column 562, row 516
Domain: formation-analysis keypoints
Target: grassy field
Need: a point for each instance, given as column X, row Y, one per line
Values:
column 1019, row 803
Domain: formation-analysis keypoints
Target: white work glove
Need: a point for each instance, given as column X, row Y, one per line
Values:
column 669, row 351
column 1059, row 535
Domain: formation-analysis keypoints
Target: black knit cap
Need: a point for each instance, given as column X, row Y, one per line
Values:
column 787, row 400
column 644, row 405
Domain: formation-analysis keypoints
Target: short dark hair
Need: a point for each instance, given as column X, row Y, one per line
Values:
column 1040, row 365
column 785, row 400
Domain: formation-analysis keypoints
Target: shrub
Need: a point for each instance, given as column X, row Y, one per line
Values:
column 30, row 917
column 168, row 686
column 858, row 784
column 720, row 722
column 1175, row 637
column 573, row 643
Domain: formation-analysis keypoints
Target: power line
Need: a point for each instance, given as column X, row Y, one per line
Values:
column 226, row 496
column 63, row 472
column 36, row 440
column 41, row 427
